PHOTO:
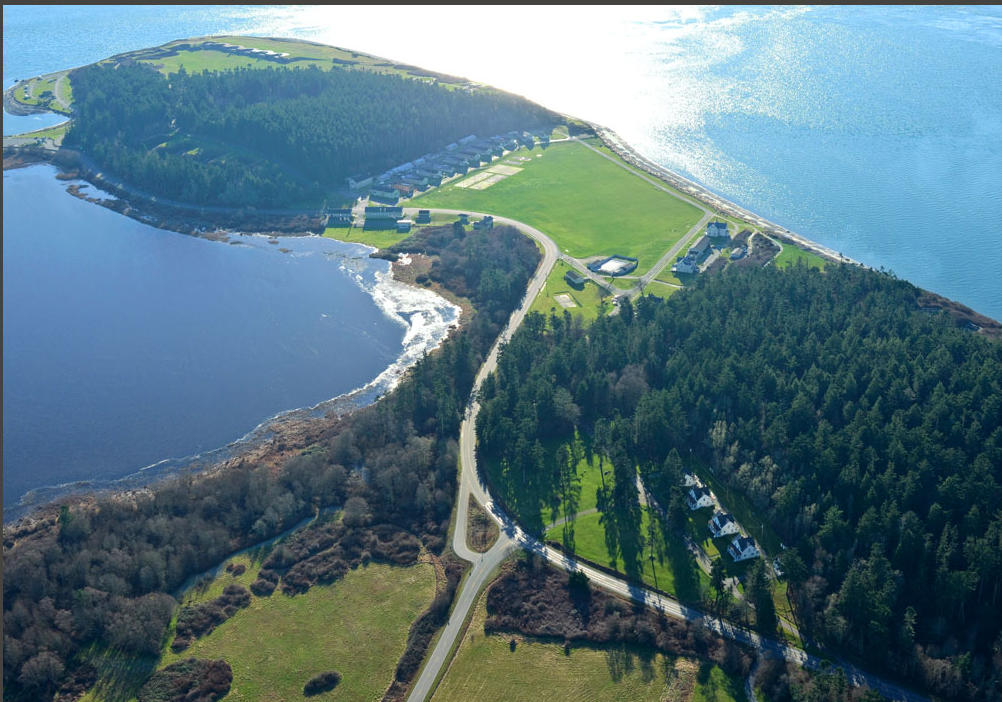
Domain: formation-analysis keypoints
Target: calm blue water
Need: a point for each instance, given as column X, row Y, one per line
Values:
column 125, row 345
column 876, row 131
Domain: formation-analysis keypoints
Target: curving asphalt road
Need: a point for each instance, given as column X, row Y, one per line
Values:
column 511, row 537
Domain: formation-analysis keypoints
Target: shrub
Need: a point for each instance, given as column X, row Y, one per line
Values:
column 321, row 683
column 190, row 680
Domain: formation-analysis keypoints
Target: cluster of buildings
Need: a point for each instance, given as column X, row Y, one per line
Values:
column 236, row 49
column 716, row 235
column 742, row 547
column 392, row 217
column 431, row 169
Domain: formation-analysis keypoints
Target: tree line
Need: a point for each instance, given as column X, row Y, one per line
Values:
column 866, row 433
column 273, row 137
column 105, row 574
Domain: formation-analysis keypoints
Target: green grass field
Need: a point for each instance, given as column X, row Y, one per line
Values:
column 485, row 668
column 660, row 289
column 589, row 300
column 205, row 60
column 305, row 54
column 673, row 570
column 377, row 238
column 56, row 133
column 791, row 254
column 586, row 203
column 357, row 626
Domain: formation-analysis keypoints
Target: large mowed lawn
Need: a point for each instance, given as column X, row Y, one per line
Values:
column 485, row 668
column 588, row 204
column 358, row 626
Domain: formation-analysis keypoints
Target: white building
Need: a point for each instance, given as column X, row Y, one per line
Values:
column 722, row 524
column 717, row 230
column 685, row 265
column 742, row 548
column 699, row 497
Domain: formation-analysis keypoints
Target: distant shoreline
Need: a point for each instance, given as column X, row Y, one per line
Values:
column 717, row 202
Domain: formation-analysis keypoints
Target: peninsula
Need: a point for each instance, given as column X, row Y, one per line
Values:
column 640, row 361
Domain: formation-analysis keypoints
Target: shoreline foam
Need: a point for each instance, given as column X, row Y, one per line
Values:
column 427, row 318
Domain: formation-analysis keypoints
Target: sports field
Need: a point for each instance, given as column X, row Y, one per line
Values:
column 588, row 204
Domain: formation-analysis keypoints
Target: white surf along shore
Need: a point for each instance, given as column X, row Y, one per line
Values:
column 426, row 317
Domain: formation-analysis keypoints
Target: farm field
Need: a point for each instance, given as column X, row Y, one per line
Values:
column 586, row 203
column 486, row 668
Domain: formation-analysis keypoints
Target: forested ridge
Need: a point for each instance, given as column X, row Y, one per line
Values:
column 105, row 574
column 868, row 434
column 275, row 137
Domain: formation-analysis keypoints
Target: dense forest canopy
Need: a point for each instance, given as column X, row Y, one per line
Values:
column 867, row 433
column 105, row 576
column 274, row 137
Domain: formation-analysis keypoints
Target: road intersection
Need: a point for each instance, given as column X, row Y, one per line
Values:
column 512, row 538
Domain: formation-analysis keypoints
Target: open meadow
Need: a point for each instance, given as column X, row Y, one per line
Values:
column 357, row 626
column 585, row 202
column 486, row 668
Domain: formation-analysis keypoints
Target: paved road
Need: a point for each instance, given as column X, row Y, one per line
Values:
column 669, row 255
column 484, row 564
column 512, row 537
column 57, row 91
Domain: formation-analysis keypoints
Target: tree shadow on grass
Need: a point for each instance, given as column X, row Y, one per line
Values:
column 684, row 569
column 119, row 676
column 619, row 660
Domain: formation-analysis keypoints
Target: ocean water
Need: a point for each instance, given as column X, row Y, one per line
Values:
column 125, row 345
column 876, row 131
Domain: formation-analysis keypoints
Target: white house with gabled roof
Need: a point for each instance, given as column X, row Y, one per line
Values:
column 742, row 548
column 699, row 497
column 717, row 230
column 722, row 524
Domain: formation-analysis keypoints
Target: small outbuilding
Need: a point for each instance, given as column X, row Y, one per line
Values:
column 575, row 279
column 485, row 224
column 403, row 226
